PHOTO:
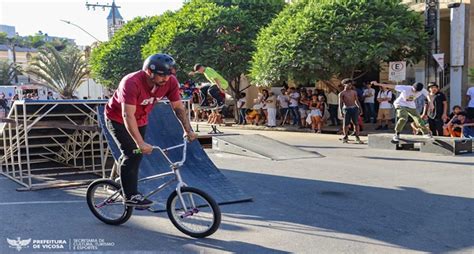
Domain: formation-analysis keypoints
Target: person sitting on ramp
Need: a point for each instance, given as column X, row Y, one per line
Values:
column 215, row 89
column 127, row 117
column 405, row 106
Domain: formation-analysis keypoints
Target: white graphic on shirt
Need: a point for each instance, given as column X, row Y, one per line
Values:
column 150, row 101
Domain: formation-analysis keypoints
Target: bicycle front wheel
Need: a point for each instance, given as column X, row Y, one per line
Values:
column 196, row 214
column 104, row 198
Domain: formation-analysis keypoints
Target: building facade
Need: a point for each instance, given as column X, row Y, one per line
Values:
column 455, row 35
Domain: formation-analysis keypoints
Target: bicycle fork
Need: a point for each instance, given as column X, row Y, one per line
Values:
column 192, row 209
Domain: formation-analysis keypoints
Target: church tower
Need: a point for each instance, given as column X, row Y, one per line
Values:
column 114, row 20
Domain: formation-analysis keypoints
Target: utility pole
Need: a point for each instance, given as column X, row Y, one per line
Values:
column 432, row 28
column 103, row 6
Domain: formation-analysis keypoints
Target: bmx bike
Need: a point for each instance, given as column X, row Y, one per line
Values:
column 192, row 211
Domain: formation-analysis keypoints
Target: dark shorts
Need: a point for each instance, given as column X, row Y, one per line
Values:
column 351, row 114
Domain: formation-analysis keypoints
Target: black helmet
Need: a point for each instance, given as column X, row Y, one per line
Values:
column 159, row 64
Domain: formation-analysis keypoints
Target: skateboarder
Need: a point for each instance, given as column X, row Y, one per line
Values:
column 215, row 89
column 405, row 106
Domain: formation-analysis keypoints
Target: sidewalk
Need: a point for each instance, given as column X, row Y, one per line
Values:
column 369, row 128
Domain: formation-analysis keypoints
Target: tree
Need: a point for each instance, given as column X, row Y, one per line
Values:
column 317, row 40
column 8, row 72
column 3, row 38
column 63, row 71
column 112, row 60
column 218, row 35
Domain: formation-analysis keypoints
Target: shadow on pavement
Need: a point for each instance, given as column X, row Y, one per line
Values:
column 451, row 162
column 406, row 217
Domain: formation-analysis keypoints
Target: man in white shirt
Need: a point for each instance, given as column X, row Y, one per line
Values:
column 470, row 105
column 405, row 106
column 369, row 103
column 385, row 108
column 333, row 102
column 283, row 99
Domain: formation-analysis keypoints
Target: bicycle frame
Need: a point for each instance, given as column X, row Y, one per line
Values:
column 174, row 171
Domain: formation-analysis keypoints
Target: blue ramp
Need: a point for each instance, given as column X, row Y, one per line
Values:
column 199, row 171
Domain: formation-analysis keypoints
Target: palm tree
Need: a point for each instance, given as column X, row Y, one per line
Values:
column 61, row 71
column 8, row 72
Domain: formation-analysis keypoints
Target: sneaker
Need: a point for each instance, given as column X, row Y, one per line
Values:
column 396, row 138
column 345, row 139
column 138, row 200
column 358, row 140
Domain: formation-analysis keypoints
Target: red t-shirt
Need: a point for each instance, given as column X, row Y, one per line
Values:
column 134, row 90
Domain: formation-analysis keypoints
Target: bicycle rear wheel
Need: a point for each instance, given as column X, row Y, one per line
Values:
column 198, row 217
column 104, row 198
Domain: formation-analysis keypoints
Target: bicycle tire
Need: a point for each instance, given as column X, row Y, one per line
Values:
column 173, row 198
column 127, row 210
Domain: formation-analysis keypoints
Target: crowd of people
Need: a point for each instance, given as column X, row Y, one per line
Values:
column 302, row 107
column 314, row 109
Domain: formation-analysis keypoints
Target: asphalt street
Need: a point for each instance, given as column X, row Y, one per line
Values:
column 352, row 200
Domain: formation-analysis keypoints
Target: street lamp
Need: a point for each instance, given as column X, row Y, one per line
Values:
column 70, row 23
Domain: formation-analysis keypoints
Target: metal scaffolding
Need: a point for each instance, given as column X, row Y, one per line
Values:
column 53, row 143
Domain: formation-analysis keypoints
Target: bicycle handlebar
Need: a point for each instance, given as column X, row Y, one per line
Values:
column 165, row 150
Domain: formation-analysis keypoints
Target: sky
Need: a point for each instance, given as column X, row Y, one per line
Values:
column 31, row 16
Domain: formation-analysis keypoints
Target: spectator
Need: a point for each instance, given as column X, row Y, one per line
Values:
column 283, row 100
column 369, row 103
column 309, row 94
column 420, row 103
column 241, row 105
column 324, row 108
column 271, row 110
column 333, row 102
column 466, row 125
column 385, row 108
column 448, row 129
column 303, row 108
column 470, row 105
column 263, row 99
column 418, row 129
column 456, row 110
column 196, row 104
column 316, row 114
column 294, row 99
column 215, row 117
column 438, row 114
column 253, row 116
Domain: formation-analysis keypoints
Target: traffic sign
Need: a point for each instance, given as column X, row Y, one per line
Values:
column 397, row 71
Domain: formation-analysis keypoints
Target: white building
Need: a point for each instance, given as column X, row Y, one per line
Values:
column 9, row 30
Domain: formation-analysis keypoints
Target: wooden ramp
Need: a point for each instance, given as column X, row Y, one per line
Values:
column 439, row 145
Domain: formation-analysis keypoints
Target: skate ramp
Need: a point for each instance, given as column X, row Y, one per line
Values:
column 259, row 146
column 199, row 171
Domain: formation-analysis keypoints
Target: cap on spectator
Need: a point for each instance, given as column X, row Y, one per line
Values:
column 432, row 84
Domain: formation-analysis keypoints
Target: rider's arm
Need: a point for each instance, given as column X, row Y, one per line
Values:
column 180, row 112
column 128, row 114
column 389, row 86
